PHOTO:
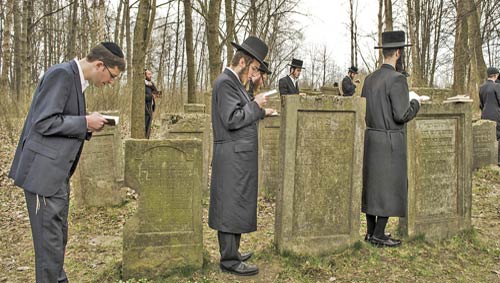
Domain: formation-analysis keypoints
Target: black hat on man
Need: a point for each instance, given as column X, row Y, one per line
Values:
column 393, row 40
column 254, row 46
column 113, row 48
column 492, row 71
column 353, row 69
column 296, row 63
column 265, row 68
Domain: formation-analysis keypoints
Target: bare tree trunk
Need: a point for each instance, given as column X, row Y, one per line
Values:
column 117, row 21
column 353, row 32
column 388, row 15
column 142, row 34
column 229, row 30
column 380, row 30
column 191, row 71
column 253, row 17
column 6, row 52
column 460, row 58
column 214, row 47
column 414, row 27
column 478, row 66
column 176, row 56
column 72, row 32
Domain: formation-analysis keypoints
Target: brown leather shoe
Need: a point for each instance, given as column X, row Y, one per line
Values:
column 246, row 256
column 242, row 269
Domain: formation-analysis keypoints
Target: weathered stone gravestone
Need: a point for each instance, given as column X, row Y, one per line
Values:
column 319, row 197
column 194, row 124
column 99, row 175
column 330, row 90
column 269, row 133
column 437, row 95
column 166, row 232
column 485, row 143
column 439, row 171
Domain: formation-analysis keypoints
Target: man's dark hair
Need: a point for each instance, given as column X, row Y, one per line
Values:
column 241, row 54
column 389, row 52
column 109, row 53
column 490, row 76
column 292, row 69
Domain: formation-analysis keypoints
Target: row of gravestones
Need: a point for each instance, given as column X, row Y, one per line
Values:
column 310, row 160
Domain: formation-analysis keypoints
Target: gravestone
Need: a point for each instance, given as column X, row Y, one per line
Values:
column 321, row 155
column 330, row 90
column 165, row 234
column 439, row 171
column 485, row 143
column 437, row 95
column 269, row 133
column 98, row 178
column 194, row 124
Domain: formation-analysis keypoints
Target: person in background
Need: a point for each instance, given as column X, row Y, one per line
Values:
column 489, row 101
column 151, row 93
column 290, row 84
column 348, row 83
column 257, row 81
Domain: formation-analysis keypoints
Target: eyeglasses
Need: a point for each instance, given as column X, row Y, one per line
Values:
column 110, row 74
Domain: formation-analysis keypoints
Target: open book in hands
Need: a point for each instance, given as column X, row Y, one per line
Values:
column 111, row 120
column 270, row 93
column 420, row 98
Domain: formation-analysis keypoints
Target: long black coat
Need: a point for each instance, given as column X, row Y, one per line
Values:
column 489, row 102
column 233, row 189
column 348, row 87
column 286, row 86
column 385, row 185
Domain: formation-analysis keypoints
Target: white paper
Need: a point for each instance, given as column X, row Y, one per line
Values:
column 414, row 95
column 270, row 92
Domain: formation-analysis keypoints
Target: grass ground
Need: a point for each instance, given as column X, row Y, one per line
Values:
column 95, row 245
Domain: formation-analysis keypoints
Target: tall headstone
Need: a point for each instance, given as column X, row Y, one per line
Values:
column 99, row 175
column 165, row 234
column 269, row 144
column 319, row 197
column 485, row 143
column 439, row 171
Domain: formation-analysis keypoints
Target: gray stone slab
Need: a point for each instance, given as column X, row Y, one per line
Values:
column 485, row 143
column 439, row 171
column 165, row 234
column 319, row 197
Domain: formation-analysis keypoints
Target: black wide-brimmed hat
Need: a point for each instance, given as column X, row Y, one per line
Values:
column 253, row 46
column 265, row 68
column 393, row 39
column 296, row 63
column 353, row 69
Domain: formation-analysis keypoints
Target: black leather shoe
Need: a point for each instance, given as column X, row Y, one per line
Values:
column 241, row 269
column 368, row 236
column 246, row 256
column 387, row 242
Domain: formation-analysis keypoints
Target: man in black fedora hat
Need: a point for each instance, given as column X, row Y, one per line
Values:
column 290, row 84
column 388, row 109
column 489, row 100
column 233, row 186
column 348, row 86
column 257, row 80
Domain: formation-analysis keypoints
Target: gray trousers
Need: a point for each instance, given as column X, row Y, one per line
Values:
column 49, row 227
column 229, row 245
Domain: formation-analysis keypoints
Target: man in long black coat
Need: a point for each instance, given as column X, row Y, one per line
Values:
column 388, row 109
column 233, row 189
column 149, row 101
column 290, row 84
column 348, row 86
column 489, row 101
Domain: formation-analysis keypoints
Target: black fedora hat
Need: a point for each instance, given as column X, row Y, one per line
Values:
column 253, row 46
column 353, row 69
column 265, row 68
column 296, row 63
column 393, row 39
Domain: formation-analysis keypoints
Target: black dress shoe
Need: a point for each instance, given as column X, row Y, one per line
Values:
column 387, row 242
column 246, row 256
column 368, row 236
column 242, row 269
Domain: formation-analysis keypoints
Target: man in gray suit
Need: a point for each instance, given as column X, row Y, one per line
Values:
column 233, row 189
column 49, row 148
column 388, row 109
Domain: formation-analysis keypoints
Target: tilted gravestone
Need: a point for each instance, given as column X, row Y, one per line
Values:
column 165, row 234
column 99, row 175
column 439, row 171
column 269, row 133
column 485, row 143
column 321, row 152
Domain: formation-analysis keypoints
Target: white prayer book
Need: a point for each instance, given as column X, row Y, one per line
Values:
column 111, row 120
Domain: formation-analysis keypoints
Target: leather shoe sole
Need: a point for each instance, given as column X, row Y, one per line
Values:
column 242, row 269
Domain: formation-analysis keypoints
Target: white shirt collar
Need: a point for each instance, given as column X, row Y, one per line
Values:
column 293, row 80
column 84, row 82
column 234, row 73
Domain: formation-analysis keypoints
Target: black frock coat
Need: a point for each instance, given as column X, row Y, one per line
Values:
column 388, row 109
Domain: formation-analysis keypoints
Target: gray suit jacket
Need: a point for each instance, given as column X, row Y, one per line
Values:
column 53, row 134
column 489, row 102
column 286, row 86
